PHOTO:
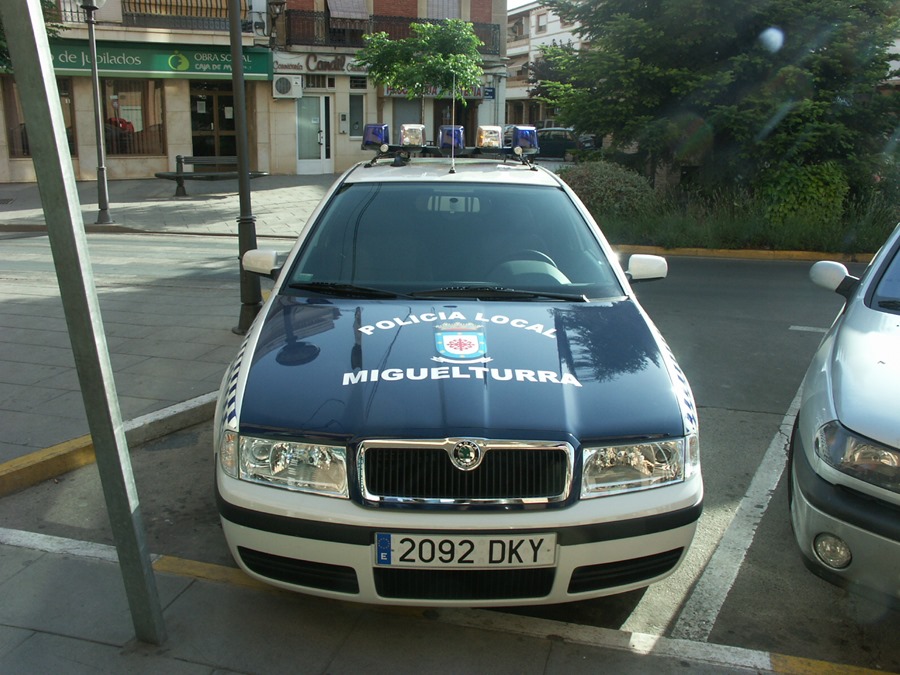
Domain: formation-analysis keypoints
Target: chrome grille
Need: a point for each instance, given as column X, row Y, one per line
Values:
column 509, row 472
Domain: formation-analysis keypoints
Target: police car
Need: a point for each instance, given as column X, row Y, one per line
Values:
column 452, row 395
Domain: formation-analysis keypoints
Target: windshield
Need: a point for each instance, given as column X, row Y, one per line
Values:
column 419, row 237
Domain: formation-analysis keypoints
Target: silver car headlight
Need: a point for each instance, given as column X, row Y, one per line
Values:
column 614, row 469
column 857, row 456
column 305, row 467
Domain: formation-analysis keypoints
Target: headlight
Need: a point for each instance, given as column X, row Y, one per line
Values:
column 858, row 456
column 625, row 468
column 305, row 467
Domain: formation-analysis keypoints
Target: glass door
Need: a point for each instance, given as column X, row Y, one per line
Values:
column 314, row 135
column 212, row 120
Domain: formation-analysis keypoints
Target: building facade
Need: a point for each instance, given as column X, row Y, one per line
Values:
column 166, row 83
column 528, row 28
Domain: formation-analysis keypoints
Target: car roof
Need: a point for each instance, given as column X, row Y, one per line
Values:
column 512, row 172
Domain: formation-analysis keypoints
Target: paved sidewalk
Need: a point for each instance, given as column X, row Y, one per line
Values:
column 168, row 301
column 64, row 611
column 281, row 204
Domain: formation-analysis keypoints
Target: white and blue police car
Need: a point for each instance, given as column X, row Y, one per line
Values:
column 452, row 395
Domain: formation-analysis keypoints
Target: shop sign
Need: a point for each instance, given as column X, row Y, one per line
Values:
column 436, row 92
column 313, row 63
column 117, row 59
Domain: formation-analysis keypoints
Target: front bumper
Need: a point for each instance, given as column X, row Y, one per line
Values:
column 870, row 527
column 324, row 546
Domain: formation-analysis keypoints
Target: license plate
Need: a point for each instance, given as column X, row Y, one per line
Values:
column 464, row 551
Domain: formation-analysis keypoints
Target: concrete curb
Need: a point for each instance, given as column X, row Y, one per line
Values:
column 23, row 472
column 747, row 254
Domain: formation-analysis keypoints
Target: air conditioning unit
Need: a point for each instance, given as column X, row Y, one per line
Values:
column 287, row 86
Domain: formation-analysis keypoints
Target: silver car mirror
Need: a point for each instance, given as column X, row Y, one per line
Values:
column 833, row 276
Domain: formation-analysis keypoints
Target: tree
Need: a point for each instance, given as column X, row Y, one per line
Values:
column 51, row 13
column 443, row 55
column 738, row 86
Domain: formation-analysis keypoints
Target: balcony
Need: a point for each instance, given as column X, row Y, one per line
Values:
column 182, row 14
column 166, row 14
column 318, row 29
column 302, row 28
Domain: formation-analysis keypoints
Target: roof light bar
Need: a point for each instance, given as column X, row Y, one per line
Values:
column 489, row 141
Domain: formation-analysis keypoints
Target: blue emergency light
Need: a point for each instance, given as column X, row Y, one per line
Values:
column 451, row 137
column 524, row 137
column 376, row 135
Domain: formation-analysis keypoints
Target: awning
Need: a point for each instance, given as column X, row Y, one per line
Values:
column 348, row 9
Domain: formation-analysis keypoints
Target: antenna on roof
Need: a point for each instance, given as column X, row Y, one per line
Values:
column 453, row 124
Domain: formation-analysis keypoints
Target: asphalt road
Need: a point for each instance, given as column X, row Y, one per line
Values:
column 744, row 333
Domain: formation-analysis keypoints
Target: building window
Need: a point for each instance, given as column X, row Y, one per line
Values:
column 319, row 82
column 15, row 118
column 444, row 9
column 357, row 82
column 357, row 115
column 541, row 23
column 133, row 115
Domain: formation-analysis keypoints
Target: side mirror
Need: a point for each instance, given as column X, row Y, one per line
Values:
column 262, row 262
column 834, row 277
column 642, row 267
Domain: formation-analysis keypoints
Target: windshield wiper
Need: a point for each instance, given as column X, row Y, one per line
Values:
column 889, row 304
column 495, row 292
column 343, row 290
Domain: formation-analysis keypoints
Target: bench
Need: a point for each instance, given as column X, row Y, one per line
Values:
column 180, row 175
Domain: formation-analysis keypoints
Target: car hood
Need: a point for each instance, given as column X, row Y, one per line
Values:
column 557, row 371
column 865, row 364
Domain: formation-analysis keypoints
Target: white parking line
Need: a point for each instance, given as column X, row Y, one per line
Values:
column 700, row 612
column 52, row 544
column 808, row 329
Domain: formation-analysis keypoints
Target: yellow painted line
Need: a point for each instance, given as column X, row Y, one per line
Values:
column 36, row 467
column 208, row 572
column 792, row 665
column 747, row 254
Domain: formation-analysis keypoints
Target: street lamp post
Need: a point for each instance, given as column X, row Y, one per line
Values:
column 275, row 9
column 103, row 217
column 251, row 295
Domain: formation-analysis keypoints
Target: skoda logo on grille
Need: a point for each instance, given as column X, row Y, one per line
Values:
column 466, row 455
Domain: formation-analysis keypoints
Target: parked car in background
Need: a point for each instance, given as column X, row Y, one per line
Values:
column 844, row 458
column 558, row 142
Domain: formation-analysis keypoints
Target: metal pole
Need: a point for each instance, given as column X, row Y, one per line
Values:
column 251, row 295
column 32, row 62
column 103, row 217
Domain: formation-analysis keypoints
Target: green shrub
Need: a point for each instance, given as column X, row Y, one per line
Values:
column 805, row 196
column 609, row 190
column 797, row 209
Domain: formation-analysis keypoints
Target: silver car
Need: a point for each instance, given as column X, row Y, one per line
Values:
column 844, row 456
